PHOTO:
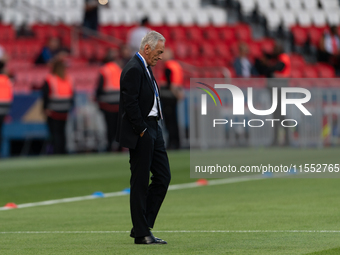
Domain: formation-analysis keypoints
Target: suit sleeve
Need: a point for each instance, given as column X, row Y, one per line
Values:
column 130, row 87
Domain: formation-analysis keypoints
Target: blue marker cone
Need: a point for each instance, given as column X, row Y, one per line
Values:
column 126, row 190
column 98, row 194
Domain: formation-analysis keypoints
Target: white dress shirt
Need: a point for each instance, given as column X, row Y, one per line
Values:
column 154, row 110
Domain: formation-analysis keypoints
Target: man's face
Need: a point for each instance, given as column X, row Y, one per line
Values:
column 154, row 55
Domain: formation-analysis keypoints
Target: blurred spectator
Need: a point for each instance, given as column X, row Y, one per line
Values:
column 6, row 95
column 136, row 35
column 110, row 56
column 243, row 67
column 91, row 14
column 124, row 55
column 276, row 64
column 171, row 92
column 57, row 93
column 25, row 31
column 107, row 94
column 329, row 47
column 49, row 51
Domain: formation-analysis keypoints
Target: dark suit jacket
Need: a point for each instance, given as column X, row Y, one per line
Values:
column 136, row 101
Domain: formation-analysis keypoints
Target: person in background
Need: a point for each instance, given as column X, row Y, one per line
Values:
column 52, row 48
column 171, row 92
column 25, row 31
column 6, row 95
column 329, row 47
column 107, row 94
column 57, row 93
column 136, row 35
column 243, row 67
column 91, row 14
column 276, row 65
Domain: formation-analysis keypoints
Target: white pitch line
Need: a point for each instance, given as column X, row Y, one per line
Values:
column 173, row 231
column 122, row 193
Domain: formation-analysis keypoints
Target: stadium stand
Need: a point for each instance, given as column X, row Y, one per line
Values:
column 199, row 35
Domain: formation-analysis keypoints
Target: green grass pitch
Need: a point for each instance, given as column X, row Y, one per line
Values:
column 261, row 215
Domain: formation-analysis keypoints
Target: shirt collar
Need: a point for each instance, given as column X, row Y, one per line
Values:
column 144, row 62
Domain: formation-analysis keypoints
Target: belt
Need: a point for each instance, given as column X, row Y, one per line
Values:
column 152, row 118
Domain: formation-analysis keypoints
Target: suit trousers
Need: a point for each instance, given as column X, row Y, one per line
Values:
column 145, row 200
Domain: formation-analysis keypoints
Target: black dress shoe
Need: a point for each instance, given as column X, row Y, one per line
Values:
column 132, row 233
column 149, row 240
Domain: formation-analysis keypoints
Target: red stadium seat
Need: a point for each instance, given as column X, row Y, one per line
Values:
column 30, row 78
column 17, row 65
column 234, row 48
column 177, row 33
column 43, row 32
column 207, row 50
column 181, row 50
column 227, row 34
column 193, row 51
column 267, row 45
column 315, row 34
column 113, row 31
column 84, row 79
column 309, row 71
column 211, row 34
column 296, row 73
column 123, row 31
column 223, row 53
column 325, row 70
column 207, row 74
column 221, row 62
column 300, row 35
column 119, row 32
column 195, row 34
column 297, row 61
column 105, row 29
column 23, row 49
column 194, row 61
column 7, row 33
column 87, row 48
column 243, row 32
column 255, row 50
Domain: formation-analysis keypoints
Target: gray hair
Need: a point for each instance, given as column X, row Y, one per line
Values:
column 151, row 39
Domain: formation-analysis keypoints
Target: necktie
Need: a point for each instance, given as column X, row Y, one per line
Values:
column 156, row 93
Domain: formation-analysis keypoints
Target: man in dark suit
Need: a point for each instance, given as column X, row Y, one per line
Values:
column 138, row 130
